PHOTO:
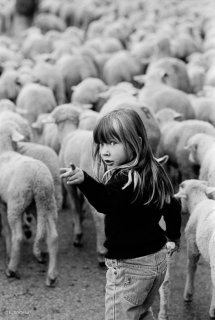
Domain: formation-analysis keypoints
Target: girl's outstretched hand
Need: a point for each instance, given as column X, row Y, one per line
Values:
column 73, row 175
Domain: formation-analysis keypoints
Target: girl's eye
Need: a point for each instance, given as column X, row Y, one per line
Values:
column 112, row 143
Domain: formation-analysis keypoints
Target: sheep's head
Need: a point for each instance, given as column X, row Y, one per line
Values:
column 66, row 112
column 197, row 189
column 10, row 135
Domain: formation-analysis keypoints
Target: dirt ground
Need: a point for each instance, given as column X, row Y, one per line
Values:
column 79, row 294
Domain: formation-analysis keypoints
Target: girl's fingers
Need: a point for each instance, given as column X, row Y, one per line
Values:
column 63, row 170
column 73, row 181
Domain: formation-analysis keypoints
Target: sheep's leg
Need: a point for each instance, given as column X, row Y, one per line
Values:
column 212, row 265
column 39, row 238
column 192, row 260
column 16, row 239
column 212, row 306
column 6, row 232
column 100, row 236
column 76, row 201
column 52, row 243
column 164, row 291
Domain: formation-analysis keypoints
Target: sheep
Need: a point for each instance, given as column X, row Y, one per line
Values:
column 74, row 69
column 26, row 184
column 201, row 149
column 204, row 108
column 45, row 133
column 157, row 94
column 35, row 43
column 21, row 124
column 48, row 75
column 7, row 105
column 199, row 232
column 88, row 119
column 35, row 99
column 122, row 66
column 49, row 157
column 76, row 147
column 9, row 85
column 48, row 21
column 174, row 136
column 177, row 72
column 86, row 92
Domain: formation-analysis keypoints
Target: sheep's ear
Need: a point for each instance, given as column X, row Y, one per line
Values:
column 164, row 77
column 180, row 194
column 140, row 78
column 37, row 126
column 210, row 190
column 21, row 111
column 178, row 117
column 86, row 106
column 104, row 94
column 73, row 88
column 163, row 159
column 49, row 119
column 205, row 182
column 16, row 136
column 188, row 147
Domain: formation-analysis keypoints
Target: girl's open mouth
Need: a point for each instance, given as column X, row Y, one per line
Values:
column 108, row 162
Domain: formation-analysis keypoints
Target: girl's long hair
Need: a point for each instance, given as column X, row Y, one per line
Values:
column 150, row 181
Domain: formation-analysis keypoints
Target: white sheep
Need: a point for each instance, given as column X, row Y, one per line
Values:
column 88, row 119
column 201, row 149
column 47, row 75
column 174, row 136
column 46, row 133
column 21, row 124
column 86, row 92
column 50, row 159
column 26, row 184
column 76, row 147
column 7, row 105
column 199, row 232
column 204, row 108
column 35, row 99
column 157, row 94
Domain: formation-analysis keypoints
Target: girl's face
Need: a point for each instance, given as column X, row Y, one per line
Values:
column 114, row 154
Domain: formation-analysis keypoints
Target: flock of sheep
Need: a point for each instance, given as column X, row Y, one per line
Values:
column 76, row 61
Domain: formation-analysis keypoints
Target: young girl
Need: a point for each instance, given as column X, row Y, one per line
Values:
column 134, row 192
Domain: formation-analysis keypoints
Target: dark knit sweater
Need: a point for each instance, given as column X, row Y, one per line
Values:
column 132, row 229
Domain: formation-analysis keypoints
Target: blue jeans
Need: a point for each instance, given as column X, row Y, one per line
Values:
column 132, row 284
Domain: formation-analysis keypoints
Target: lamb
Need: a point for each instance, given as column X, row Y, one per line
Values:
column 76, row 147
column 88, row 119
column 174, row 136
column 21, row 124
column 204, row 109
column 157, row 94
column 35, row 99
column 201, row 149
column 26, row 184
column 199, row 232
column 50, row 159
column 7, row 105
column 86, row 92
column 45, row 133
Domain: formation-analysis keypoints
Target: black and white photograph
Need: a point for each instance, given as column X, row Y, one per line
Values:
column 107, row 159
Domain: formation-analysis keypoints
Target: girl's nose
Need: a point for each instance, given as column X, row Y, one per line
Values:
column 105, row 151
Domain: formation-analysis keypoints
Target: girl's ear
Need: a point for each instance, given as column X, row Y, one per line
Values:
column 141, row 140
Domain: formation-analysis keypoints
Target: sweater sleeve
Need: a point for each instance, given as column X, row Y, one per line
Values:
column 172, row 218
column 106, row 197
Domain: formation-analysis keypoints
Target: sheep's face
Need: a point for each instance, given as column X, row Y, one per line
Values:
column 193, row 153
column 182, row 195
